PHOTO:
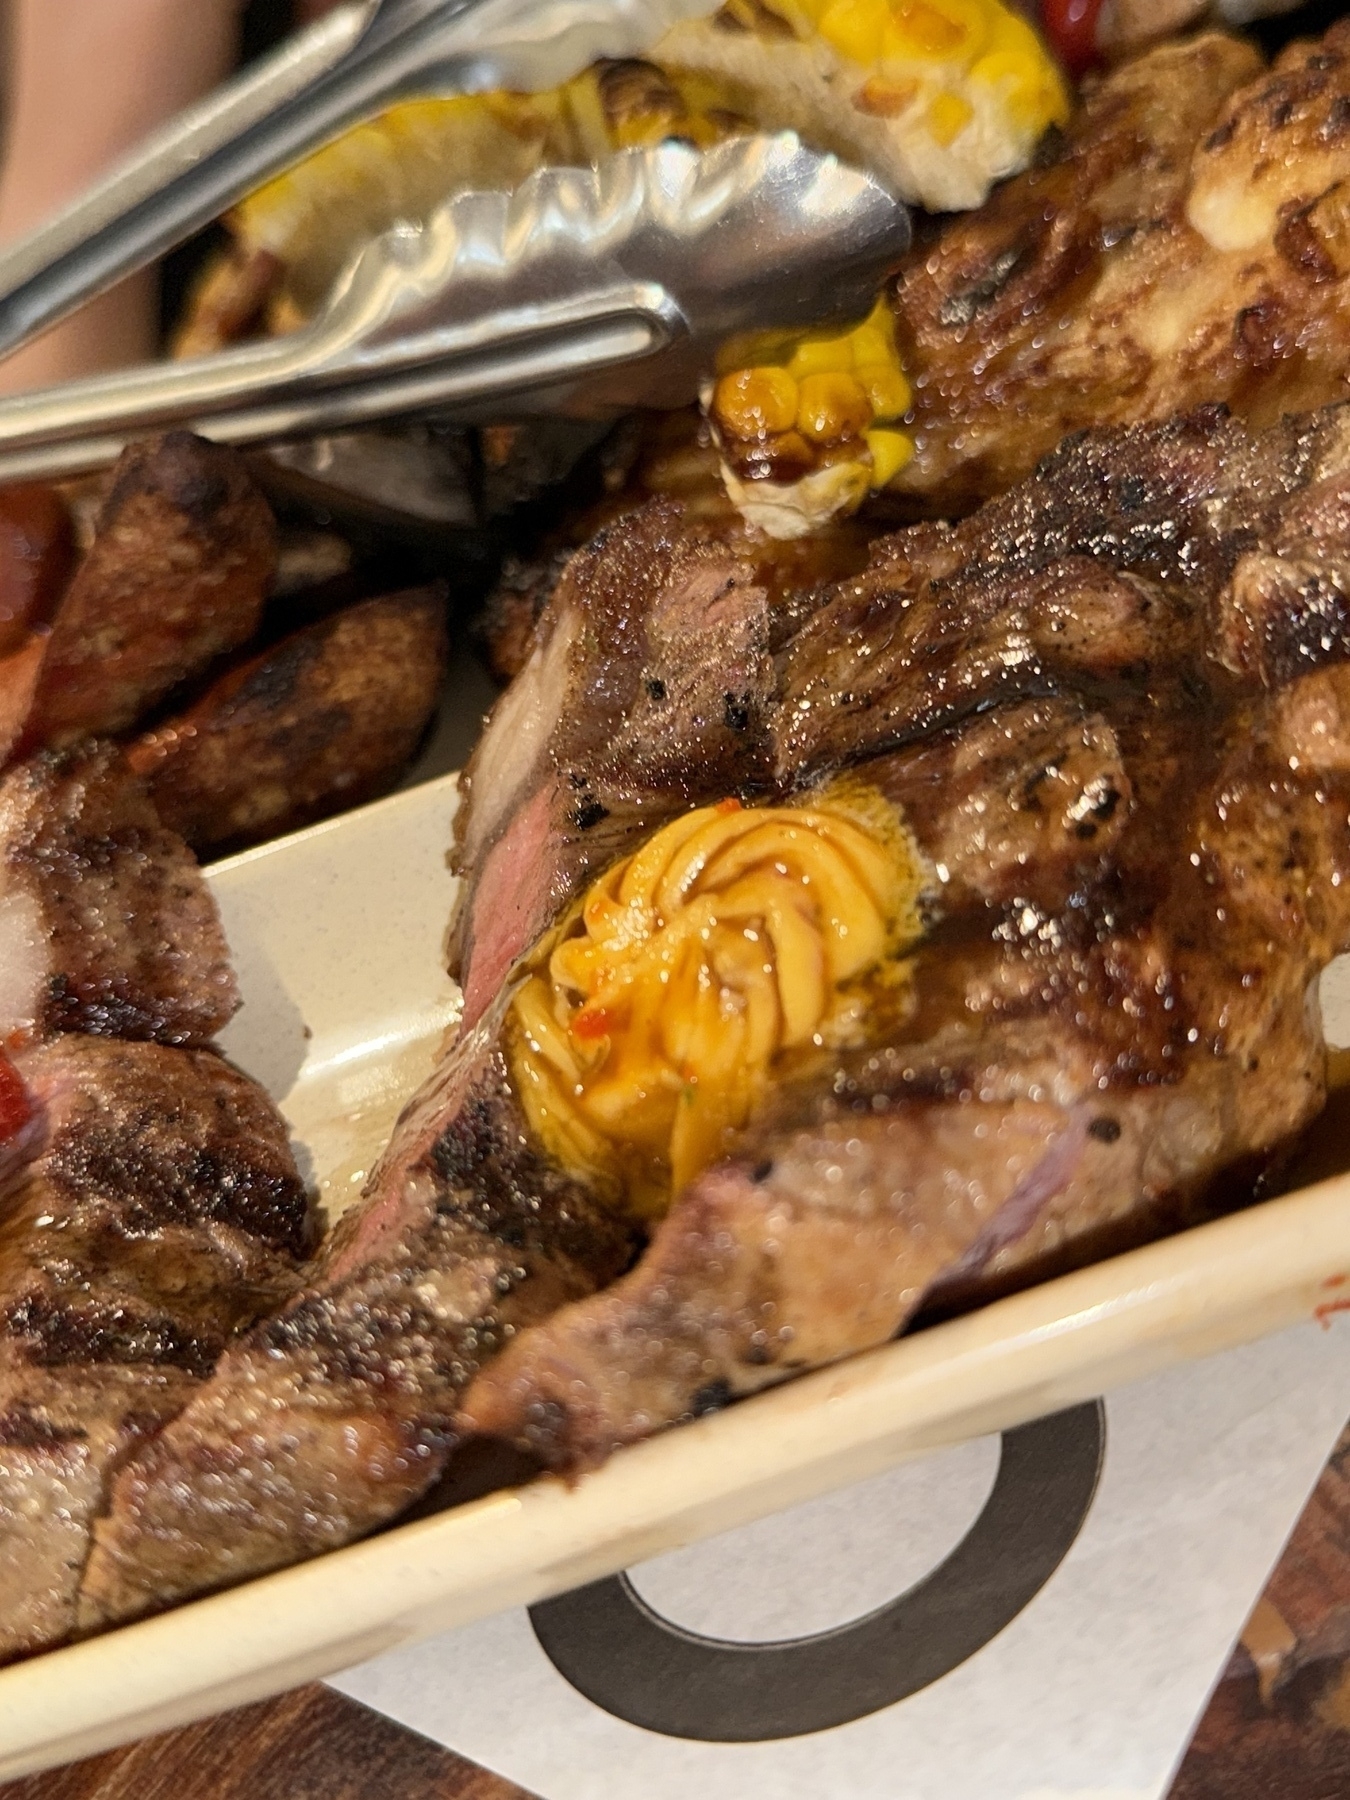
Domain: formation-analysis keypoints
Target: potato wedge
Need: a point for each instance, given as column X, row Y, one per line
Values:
column 180, row 566
column 325, row 719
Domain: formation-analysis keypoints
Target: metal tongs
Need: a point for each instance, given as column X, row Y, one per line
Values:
column 584, row 291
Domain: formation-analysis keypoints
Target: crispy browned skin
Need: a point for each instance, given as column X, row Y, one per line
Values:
column 1190, row 243
column 106, row 925
column 1115, row 707
column 177, row 575
column 164, row 1212
column 326, row 719
column 340, row 1409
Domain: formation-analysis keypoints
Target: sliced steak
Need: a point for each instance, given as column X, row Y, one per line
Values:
column 1139, row 805
column 106, row 924
column 337, row 1413
column 163, row 1213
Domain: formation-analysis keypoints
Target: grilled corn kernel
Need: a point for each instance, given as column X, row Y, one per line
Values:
column 891, row 450
column 887, row 391
column 855, row 28
column 948, row 116
column 756, row 403
column 789, row 481
column 832, row 408
column 649, row 1026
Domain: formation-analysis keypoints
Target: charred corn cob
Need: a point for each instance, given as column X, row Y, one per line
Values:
column 939, row 97
column 806, row 427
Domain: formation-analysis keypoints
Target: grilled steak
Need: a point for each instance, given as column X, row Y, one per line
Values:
column 1115, row 709
column 163, row 1212
column 106, row 925
column 1189, row 242
column 336, row 1414
column 643, row 691
column 1115, row 712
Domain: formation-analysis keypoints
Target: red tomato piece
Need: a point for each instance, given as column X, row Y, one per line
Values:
column 1071, row 29
column 36, row 556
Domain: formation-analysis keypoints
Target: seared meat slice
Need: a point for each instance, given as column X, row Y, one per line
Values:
column 327, row 718
column 164, row 1212
column 177, row 574
column 643, row 692
column 334, row 1415
column 1143, row 871
column 1190, row 242
column 106, row 925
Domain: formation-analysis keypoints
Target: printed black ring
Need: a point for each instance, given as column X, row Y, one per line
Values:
column 613, row 1648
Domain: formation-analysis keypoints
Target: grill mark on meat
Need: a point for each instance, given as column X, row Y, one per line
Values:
column 106, row 925
column 163, row 1212
column 344, row 1402
column 53, row 1334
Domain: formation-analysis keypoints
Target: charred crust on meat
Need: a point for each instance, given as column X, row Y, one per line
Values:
column 196, row 477
column 736, row 713
column 656, row 688
column 21, row 1428
column 1104, row 1129
column 55, row 1335
column 589, row 813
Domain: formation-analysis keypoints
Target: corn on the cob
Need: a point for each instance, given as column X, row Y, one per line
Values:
column 806, row 427
column 940, row 97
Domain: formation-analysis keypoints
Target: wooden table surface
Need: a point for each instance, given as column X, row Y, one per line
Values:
column 1278, row 1727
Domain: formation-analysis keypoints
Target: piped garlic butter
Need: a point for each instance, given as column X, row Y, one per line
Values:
column 649, row 1024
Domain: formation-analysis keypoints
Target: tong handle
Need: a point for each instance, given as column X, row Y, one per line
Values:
column 339, row 71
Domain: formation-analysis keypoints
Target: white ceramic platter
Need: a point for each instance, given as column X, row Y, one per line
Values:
column 337, row 936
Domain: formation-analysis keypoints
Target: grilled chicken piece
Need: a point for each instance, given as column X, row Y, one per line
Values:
column 1116, row 709
column 1190, row 242
column 327, row 718
column 177, row 574
column 106, row 925
column 164, row 1212
column 339, row 1410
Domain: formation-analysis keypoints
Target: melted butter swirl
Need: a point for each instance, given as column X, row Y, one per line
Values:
column 649, row 1024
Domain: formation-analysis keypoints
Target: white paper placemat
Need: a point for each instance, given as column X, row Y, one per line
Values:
column 1089, row 1693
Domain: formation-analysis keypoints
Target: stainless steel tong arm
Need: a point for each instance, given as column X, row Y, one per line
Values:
column 348, row 67
column 584, row 290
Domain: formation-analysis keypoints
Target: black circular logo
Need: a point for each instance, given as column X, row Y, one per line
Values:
column 626, row 1658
